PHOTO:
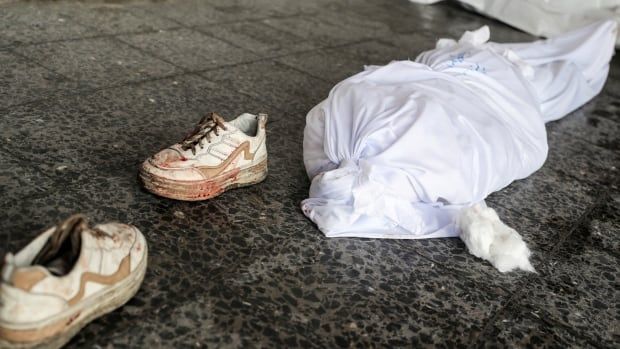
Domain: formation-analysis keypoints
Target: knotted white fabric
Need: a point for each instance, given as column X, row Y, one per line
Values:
column 397, row 151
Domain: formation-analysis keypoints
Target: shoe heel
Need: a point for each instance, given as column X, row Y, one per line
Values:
column 252, row 175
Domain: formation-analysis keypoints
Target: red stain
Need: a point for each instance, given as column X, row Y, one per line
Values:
column 202, row 190
column 208, row 189
column 72, row 318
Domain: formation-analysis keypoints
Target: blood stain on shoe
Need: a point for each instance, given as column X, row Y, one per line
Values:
column 72, row 318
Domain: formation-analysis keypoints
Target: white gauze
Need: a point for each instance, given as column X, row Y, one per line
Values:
column 487, row 237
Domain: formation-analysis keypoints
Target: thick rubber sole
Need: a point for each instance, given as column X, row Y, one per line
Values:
column 84, row 312
column 203, row 189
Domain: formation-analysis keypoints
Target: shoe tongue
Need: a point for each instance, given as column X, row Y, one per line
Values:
column 221, row 121
column 62, row 249
column 217, row 118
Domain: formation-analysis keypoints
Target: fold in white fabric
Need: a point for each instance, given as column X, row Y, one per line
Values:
column 544, row 17
column 397, row 151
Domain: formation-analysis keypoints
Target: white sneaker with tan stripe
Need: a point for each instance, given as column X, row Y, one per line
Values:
column 65, row 278
column 215, row 157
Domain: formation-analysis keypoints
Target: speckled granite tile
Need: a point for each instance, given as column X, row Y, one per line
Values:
column 199, row 12
column 21, row 179
column 407, row 46
column 97, row 62
column 589, row 164
column 378, row 52
column 607, row 104
column 189, row 49
column 282, row 296
column 24, row 81
column 170, row 298
column 100, row 196
column 579, row 290
column 117, row 18
column 603, row 226
column 22, row 23
column 247, row 269
column 329, row 28
column 541, row 238
column 596, row 122
column 574, row 300
column 346, row 297
column 258, row 38
column 273, row 83
column 331, row 65
column 453, row 254
column 547, row 196
column 198, row 319
column 614, row 73
column 520, row 327
column 273, row 7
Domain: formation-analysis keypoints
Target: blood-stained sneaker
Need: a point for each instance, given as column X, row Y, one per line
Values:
column 65, row 278
column 215, row 157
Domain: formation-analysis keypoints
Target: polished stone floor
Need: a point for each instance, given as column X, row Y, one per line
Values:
column 89, row 89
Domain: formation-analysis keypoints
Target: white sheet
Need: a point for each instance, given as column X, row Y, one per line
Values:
column 397, row 151
column 545, row 17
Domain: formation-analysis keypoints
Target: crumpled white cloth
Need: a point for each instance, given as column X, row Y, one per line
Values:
column 544, row 17
column 397, row 151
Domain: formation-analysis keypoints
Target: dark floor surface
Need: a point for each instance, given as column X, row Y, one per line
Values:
column 89, row 90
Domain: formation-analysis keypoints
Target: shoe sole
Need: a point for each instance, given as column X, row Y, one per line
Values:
column 203, row 189
column 69, row 325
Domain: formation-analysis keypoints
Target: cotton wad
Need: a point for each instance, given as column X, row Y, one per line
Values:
column 406, row 149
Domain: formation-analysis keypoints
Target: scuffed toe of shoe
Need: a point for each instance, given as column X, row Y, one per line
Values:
column 169, row 164
column 167, row 158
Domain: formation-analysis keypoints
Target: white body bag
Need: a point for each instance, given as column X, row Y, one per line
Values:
column 397, row 151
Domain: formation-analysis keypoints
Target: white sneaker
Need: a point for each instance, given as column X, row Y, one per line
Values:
column 65, row 278
column 215, row 157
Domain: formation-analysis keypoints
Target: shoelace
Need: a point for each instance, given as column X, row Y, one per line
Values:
column 207, row 125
